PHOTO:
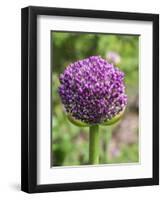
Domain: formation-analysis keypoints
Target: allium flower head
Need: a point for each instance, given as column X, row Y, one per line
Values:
column 92, row 90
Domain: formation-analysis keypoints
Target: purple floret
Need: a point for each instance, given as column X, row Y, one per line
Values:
column 92, row 90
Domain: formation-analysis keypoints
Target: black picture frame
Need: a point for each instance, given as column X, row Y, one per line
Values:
column 29, row 99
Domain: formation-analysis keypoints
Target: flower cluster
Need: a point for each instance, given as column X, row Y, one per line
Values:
column 92, row 90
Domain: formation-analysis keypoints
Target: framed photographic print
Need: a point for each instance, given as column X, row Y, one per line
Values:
column 90, row 99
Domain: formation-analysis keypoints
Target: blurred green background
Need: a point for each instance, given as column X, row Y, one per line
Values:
column 118, row 143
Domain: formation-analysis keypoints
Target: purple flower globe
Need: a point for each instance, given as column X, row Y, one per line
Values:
column 92, row 90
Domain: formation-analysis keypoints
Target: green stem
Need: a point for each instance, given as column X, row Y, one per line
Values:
column 94, row 144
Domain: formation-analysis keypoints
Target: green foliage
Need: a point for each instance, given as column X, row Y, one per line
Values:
column 69, row 142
